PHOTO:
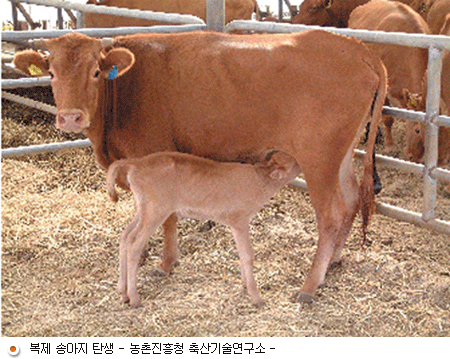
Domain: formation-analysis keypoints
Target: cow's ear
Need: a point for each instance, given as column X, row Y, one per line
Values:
column 116, row 62
column 32, row 63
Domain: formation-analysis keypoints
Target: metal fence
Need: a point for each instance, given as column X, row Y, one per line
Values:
column 216, row 21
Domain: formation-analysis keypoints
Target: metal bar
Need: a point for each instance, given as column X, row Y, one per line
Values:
column 396, row 213
column 404, row 114
column 416, row 168
column 28, row 102
column 392, row 38
column 49, row 147
column 80, row 20
column 60, row 19
column 431, row 132
column 123, row 12
column 280, row 10
column 215, row 15
column 26, row 82
column 14, row 16
column 71, row 15
column 24, row 13
column 100, row 32
column 413, row 217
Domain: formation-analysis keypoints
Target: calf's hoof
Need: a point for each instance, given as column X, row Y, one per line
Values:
column 304, row 298
column 135, row 302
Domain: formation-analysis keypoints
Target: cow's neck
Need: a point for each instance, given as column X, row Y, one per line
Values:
column 103, row 125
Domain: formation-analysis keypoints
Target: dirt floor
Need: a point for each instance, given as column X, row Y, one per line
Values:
column 60, row 236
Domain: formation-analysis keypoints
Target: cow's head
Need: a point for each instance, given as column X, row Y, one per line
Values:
column 415, row 132
column 78, row 66
column 314, row 12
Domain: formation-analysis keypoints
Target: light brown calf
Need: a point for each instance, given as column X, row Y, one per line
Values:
column 191, row 186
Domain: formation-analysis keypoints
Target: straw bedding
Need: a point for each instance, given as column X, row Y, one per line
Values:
column 60, row 238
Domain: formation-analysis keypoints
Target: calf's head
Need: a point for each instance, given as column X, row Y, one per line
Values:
column 78, row 66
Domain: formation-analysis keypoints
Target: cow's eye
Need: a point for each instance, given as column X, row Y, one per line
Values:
column 97, row 73
column 51, row 74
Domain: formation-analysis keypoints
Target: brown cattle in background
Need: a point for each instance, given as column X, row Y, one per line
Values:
column 171, row 182
column 333, row 13
column 406, row 66
column 436, row 16
column 202, row 93
column 234, row 10
column 336, row 13
column 415, row 132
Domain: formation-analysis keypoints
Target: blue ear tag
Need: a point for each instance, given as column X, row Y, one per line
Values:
column 113, row 73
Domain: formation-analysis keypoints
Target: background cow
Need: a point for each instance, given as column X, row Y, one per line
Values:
column 195, row 187
column 234, row 10
column 201, row 93
column 326, row 12
column 337, row 12
column 415, row 132
column 436, row 16
column 406, row 66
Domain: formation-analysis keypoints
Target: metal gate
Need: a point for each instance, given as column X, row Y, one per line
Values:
column 216, row 21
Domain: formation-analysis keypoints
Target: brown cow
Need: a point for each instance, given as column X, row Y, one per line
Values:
column 422, row 7
column 436, row 16
column 415, row 132
column 171, row 182
column 337, row 12
column 234, row 10
column 202, row 93
column 406, row 66
column 326, row 12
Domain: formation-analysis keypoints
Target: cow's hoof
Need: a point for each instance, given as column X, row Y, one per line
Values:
column 304, row 298
column 158, row 272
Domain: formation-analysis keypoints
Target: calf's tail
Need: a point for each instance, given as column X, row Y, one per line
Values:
column 115, row 169
column 366, row 190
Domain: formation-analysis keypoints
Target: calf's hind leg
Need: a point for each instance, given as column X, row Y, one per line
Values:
column 122, row 285
column 171, row 252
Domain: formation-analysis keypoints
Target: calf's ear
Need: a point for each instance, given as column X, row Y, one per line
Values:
column 31, row 63
column 116, row 62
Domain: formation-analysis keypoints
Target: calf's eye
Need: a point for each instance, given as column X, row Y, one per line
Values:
column 97, row 73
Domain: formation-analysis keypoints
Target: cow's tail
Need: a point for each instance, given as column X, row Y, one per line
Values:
column 117, row 168
column 366, row 191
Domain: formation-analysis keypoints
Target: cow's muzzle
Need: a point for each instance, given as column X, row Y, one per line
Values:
column 72, row 121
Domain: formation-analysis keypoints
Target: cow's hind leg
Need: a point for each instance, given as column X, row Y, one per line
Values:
column 350, row 192
column 334, row 222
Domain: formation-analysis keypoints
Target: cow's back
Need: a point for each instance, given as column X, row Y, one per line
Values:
column 234, row 9
column 239, row 110
column 406, row 66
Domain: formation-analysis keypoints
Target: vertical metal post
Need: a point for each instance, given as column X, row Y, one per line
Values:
column 14, row 16
column 215, row 15
column 431, row 132
column 60, row 19
column 280, row 10
column 80, row 20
